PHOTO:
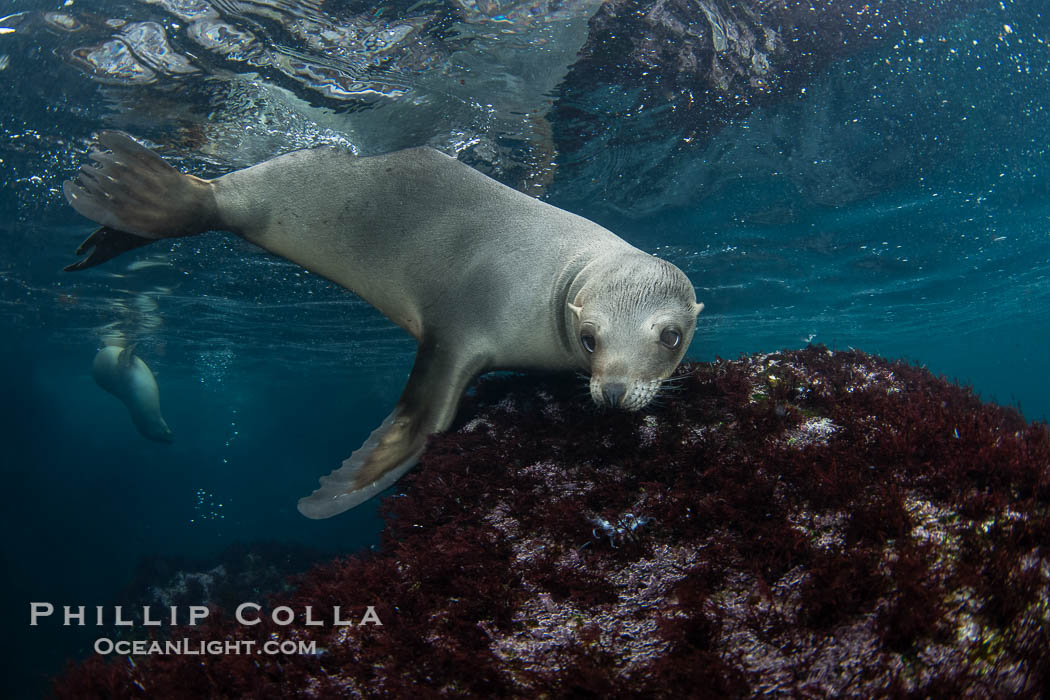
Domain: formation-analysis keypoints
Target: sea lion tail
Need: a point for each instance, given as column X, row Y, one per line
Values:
column 137, row 197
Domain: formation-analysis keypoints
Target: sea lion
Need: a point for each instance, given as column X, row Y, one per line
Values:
column 483, row 276
column 122, row 373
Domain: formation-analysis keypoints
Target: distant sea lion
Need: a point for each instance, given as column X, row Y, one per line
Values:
column 483, row 276
column 122, row 373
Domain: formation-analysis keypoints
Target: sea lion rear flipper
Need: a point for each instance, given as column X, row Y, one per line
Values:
column 427, row 406
column 133, row 191
column 105, row 244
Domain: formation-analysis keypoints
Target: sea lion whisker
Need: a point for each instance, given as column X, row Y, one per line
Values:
column 679, row 377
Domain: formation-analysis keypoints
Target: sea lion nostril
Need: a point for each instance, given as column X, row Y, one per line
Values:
column 613, row 393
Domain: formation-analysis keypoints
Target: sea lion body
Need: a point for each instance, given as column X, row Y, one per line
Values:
column 122, row 373
column 483, row 276
column 427, row 267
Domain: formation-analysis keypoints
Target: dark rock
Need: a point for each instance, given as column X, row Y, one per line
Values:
column 658, row 78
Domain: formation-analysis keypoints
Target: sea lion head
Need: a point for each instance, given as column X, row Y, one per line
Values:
column 631, row 321
column 158, row 431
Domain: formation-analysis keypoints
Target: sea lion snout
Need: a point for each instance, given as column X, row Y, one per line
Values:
column 623, row 392
column 613, row 393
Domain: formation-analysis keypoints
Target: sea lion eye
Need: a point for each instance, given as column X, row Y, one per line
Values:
column 588, row 342
column 671, row 337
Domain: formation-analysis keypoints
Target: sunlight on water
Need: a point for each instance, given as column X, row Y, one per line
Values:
column 459, row 77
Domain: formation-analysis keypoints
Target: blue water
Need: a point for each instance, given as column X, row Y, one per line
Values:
column 898, row 205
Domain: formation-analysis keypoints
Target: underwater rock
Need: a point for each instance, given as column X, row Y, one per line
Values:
column 716, row 60
column 809, row 523
column 687, row 68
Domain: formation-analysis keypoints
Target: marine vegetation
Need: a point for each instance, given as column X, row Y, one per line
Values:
column 803, row 523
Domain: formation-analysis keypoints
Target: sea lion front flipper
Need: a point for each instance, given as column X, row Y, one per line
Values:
column 427, row 405
column 337, row 493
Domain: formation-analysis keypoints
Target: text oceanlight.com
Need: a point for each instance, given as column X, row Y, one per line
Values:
column 189, row 647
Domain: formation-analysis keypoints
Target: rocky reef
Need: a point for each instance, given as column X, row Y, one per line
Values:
column 685, row 69
column 806, row 523
column 718, row 59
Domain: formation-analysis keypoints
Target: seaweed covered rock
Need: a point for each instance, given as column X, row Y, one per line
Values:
column 809, row 522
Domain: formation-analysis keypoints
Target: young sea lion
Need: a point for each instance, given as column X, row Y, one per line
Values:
column 483, row 276
column 122, row 373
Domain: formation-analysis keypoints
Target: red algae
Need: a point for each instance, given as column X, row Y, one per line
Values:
column 801, row 523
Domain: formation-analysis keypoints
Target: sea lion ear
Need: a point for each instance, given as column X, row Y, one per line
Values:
column 577, row 310
column 698, row 307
